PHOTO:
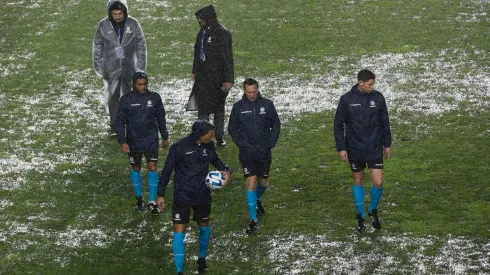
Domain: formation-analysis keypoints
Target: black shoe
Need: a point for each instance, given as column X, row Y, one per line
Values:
column 112, row 131
column 252, row 226
column 360, row 223
column 153, row 208
column 220, row 142
column 202, row 267
column 140, row 204
column 374, row 219
column 260, row 208
column 180, row 273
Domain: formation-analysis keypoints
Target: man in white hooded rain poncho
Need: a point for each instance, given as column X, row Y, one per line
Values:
column 119, row 50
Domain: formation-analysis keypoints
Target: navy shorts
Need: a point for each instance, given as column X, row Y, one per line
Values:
column 135, row 157
column 256, row 168
column 181, row 212
column 358, row 166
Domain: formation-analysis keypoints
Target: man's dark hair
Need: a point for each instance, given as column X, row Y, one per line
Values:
column 365, row 75
column 250, row 81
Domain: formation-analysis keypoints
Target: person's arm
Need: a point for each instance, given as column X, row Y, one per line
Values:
column 161, row 122
column 228, row 61
column 195, row 64
column 275, row 127
column 234, row 127
column 97, row 51
column 339, row 131
column 385, row 128
column 220, row 165
column 164, row 179
column 140, row 48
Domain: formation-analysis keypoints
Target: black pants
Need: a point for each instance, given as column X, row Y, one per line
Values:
column 218, row 121
column 114, row 101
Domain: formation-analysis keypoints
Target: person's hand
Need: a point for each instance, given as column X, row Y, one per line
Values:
column 125, row 148
column 194, row 77
column 227, row 177
column 227, row 85
column 343, row 155
column 164, row 143
column 161, row 203
column 387, row 152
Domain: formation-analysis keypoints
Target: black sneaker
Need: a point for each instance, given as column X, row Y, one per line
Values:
column 220, row 142
column 140, row 204
column 153, row 208
column 252, row 226
column 180, row 273
column 260, row 208
column 360, row 223
column 202, row 267
column 374, row 219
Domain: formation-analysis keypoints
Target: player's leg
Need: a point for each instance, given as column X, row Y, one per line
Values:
column 113, row 103
column 135, row 161
column 202, row 213
column 357, row 168
column 219, row 123
column 180, row 216
column 376, row 171
column 152, row 160
column 263, row 174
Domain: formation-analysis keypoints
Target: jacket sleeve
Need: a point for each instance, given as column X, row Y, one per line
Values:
column 120, row 121
column 338, row 125
column 167, row 171
column 160, row 118
column 97, row 49
column 195, row 64
column 229, row 63
column 216, row 161
column 234, row 128
column 275, row 127
column 140, row 49
column 385, row 124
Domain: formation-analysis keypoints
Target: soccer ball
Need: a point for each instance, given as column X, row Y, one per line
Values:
column 215, row 180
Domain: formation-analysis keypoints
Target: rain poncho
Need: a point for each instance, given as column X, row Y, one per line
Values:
column 116, row 60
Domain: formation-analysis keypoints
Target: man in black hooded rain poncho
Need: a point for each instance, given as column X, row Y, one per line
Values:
column 119, row 50
column 212, row 70
column 190, row 158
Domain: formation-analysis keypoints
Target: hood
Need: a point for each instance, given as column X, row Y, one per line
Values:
column 206, row 13
column 200, row 128
column 116, row 5
column 139, row 75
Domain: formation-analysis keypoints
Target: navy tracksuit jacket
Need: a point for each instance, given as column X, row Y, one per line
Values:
column 254, row 126
column 138, row 120
column 367, row 126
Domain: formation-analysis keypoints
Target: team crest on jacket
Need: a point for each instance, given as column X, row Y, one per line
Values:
column 373, row 104
column 149, row 104
column 262, row 110
column 204, row 152
column 209, row 39
column 128, row 29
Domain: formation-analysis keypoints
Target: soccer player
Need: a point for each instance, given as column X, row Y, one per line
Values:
column 364, row 140
column 119, row 50
column 140, row 116
column 254, row 126
column 190, row 158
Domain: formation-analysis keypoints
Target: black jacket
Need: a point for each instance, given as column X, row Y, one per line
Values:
column 367, row 126
column 254, row 126
column 138, row 120
column 190, row 161
column 217, row 67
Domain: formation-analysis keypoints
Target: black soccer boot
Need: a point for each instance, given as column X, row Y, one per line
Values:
column 252, row 226
column 153, row 208
column 360, row 223
column 220, row 142
column 202, row 267
column 260, row 208
column 374, row 219
column 140, row 204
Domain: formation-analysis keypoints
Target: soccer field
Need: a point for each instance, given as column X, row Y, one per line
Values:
column 65, row 193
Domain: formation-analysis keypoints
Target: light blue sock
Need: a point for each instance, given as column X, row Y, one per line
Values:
column 152, row 185
column 252, row 204
column 136, row 180
column 204, row 235
column 358, row 193
column 375, row 197
column 260, row 190
column 178, row 249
